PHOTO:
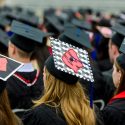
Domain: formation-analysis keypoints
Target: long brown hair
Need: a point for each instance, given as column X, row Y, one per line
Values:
column 70, row 99
column 7, row 117
column 121, row 86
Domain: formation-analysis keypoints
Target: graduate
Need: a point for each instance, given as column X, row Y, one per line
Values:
column 113, row 48
column 26, row 84
column 64, row 101
column 114, row 112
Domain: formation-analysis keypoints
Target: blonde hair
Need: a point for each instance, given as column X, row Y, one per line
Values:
column 7, row 117
column 70, row 99
column 121, row 86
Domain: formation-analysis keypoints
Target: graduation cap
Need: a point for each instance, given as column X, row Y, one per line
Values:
column 29, row 19
column 104, row 23
column 82, row 24
column 121, row 60
column 53, row 25
column 70, row 59
column 118, row 37
column 12, row 15
column 8, row 67
column 4, row 22
column 122, row 47
column 26, row 37
column 4, row 39
column 76, row 36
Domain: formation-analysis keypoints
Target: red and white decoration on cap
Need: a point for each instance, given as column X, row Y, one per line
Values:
column 71, row 59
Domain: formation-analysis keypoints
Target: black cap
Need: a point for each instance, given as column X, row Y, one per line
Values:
column 121, row 60
column 29, row 19
column 118, row 37
column 122, row 47
column 104, row 22
column 76, row 37
column 4, row 22
column 53, row 24
column 12, row 15
column 25, row 37
column 82, row 24
column 4, row 38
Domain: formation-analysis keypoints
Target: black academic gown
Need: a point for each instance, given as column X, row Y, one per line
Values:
column 23, row 88
column 103, row 90
column 43, row 115
column 114, row 112
column 46, row 115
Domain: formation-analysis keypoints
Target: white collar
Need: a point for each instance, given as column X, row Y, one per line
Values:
column 27, row 67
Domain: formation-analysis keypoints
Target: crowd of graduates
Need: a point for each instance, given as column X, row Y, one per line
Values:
column 76, row 93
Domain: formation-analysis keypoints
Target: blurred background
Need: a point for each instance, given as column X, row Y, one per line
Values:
column 107, row 5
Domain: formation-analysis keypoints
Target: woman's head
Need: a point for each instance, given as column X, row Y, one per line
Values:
column 57, row 89
column 119, row 73
column 68, row 97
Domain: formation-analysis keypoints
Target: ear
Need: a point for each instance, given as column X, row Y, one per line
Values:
column 12, row 47
column 115, row 49
column 120, row 73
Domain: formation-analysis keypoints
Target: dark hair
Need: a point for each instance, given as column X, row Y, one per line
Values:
column 40, row 53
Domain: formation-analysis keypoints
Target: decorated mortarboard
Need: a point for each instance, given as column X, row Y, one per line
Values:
column 70, row 59
column 52, row 24
column 8, row 67
column 4, row 39
column 25, row 37
column 82, row 24
column 119, row 35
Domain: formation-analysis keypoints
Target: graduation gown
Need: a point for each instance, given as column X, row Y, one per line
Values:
column 43, row 115
column 103, row 90
column 114, row 112
column 24, row 86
